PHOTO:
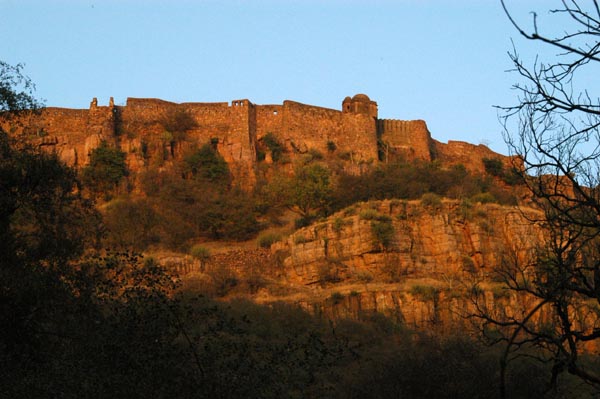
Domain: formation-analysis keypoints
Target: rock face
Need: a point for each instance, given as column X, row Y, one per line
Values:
column 440, row 240
column 421, row 273
column 354, row 136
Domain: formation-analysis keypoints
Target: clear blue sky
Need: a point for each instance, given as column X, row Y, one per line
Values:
column 443, row 61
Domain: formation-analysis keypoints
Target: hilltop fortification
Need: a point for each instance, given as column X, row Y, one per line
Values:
column 353, row 135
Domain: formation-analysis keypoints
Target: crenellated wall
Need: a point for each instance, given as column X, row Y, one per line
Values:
column 72, row 133
column 306, row 127
column 410, row 139
column 231, row 128
column 353, row 136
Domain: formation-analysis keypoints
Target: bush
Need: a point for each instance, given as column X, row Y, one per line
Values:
column 393, row 269
column 368, row 214
column 274, row 145
column 484, row 198
column 466, row 210
column 339, row 223
column 424, row 292
column 431, row 200
column 177, row 121
column 314, row 154
column 206, row 163
column 303, row 221
column 229, row 216
column 327, row 273
column 513, row 177
column 105, row 169
column 131, row 224
column 364, row 276
column 404, row 180
column 200, row 252
column 224, row 279
column 300, row 239
column 331, row 147
column 265, row 240
column 468, row 264
column 383, row 233
column 493, row 166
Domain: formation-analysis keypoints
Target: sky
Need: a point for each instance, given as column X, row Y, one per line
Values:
column 444, row 61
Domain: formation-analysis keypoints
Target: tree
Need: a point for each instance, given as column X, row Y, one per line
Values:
column 16, row 90
column 44, row 226
column 308, row 192
column 106, row 168
column 208, row 165
column 554, row 130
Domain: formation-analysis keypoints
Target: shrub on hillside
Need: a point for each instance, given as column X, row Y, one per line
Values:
column 384, row 233
column 207, row 164
column 431, row 200
column 274, row 145
column 131, row 224
column 105, row 169
column 265, row 240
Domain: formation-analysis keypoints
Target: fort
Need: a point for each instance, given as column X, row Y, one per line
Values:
column 354, row 135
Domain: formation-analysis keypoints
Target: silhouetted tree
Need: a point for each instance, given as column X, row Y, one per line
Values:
column 557, row 138
column 16, row 90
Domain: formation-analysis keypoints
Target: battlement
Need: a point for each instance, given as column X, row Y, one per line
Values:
column 403, row 127
column 353, row 134
column 410, row 139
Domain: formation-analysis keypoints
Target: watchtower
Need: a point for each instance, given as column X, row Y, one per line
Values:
column 360, row 104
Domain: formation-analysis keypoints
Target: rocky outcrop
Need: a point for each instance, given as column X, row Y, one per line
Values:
column 413, row 262
column 390, row 239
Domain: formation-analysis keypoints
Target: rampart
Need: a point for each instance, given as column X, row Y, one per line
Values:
column 302, row 128
column 353, row 136
column 410, row 139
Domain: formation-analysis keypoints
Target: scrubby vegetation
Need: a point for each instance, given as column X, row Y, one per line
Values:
column 412, row 180
column 105, row 170
column 196, row 197
column 194, row 200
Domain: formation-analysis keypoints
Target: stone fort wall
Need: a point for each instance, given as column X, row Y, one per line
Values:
column 302, row 127
column 236, row 129
column 410, row 139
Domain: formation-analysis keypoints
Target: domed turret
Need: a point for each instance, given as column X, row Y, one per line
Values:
column 360, row 104
column 361, row 97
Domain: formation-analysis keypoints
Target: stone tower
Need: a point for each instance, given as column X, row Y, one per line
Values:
column 360, row 104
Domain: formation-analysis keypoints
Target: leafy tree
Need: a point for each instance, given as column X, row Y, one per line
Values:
column 228, row 216
column 307, row 193
column 106, row 168
column 207, row 164
column 16, row 90
column 493, row 166
column 554, row 130
column 132, row 224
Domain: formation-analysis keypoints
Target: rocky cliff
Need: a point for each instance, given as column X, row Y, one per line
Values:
column 428, row 265
column 415, row 262
column 440, row 239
